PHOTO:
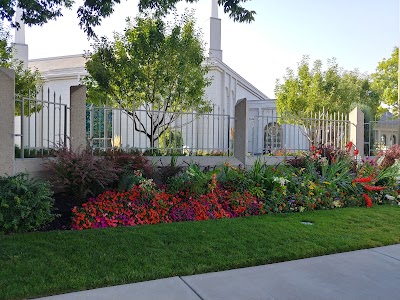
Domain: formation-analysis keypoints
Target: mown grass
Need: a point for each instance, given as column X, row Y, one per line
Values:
column 45, row 263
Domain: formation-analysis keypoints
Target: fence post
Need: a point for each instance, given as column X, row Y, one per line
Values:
column 78, row 117
column 7, row 106
column 241, row 132
column 356, row 118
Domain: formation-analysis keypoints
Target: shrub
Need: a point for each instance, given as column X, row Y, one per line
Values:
column 25, row 204
column 390, row 156
column 169, row 171
column 128, row 162
column 81, row 173
column 193, row 180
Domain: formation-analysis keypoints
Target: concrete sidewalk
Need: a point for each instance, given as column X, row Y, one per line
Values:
column 363, row 274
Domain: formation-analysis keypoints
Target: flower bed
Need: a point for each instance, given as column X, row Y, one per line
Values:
column 136, row 207
column 322, row 180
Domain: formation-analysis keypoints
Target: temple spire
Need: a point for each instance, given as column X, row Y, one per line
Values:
column 214, row 9
column 20, row 48
column 215, row 32
column 19, row 32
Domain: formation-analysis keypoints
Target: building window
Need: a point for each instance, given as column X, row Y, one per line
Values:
column 392, row 140
column 272, row 137
column 383, row 139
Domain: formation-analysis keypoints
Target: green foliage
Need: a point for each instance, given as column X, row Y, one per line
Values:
column 131, row 168
column 313, row 89
column 152, row 66
column 193, row 180
column 5, row 47
column 385, row 80
column 25, row 204
column 26, row 80
column 171, row 141
column 81, row 173
column 233, row 178
column 91, row 13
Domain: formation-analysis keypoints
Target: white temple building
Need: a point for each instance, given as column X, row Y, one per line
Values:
column 227, row 87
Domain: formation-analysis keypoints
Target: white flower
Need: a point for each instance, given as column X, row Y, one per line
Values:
column 282, row 181
column 186, row 150
column 336, row 203
column 389, row 197
column 359, row 160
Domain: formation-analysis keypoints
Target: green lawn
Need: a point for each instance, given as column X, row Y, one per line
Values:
column 46, row 263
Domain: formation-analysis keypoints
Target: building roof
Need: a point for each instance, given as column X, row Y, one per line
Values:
column 388, row 119
column 215, row 62
column 58, row 63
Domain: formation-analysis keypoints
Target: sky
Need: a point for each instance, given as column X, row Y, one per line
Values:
column 358, row 33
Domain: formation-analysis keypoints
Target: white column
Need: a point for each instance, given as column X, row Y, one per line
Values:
column 7, row 105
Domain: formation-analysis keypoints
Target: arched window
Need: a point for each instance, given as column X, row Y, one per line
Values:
column 392, row 140
column 383, row 139
column 272, row 137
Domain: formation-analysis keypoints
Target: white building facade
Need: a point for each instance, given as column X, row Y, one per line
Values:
column 227, row 87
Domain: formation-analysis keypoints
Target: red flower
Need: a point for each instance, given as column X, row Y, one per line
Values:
column 368, row 200
column 349, row 145
column 312, row 148
column 356, row 152
column 365, row 179
column 373, row 188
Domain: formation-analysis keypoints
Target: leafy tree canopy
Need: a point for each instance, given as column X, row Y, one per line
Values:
column 26, row 80
column 313, row 89
column 385, row 80
column 92, row 12
column 152, row 65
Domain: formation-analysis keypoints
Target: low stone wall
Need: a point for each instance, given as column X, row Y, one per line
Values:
column 269, row 160
column 203, row 161
column 35, row 166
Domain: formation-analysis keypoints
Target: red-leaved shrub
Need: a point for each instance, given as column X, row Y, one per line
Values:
column 80, row 173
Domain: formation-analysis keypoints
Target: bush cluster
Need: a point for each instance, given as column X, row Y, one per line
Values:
column 25, row 204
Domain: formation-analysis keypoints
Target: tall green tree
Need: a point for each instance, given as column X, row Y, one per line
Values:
column 312, row 89
column 26, row 80
column 385, row 80
column 152, row 65
column 91, row 13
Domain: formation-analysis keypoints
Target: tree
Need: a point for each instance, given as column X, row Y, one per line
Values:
column 26, row 80
column 91, row 13
column 313, row 89
column 154, row 66
column 385, row 80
